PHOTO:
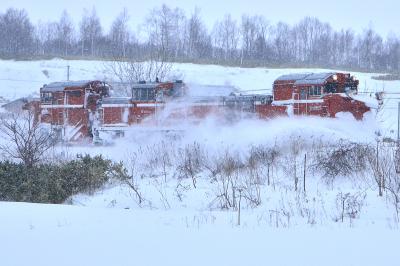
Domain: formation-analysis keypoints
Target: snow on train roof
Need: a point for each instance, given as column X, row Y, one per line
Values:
column 145, row 85
column 293, row 76
column 306, row 78
column 60, row 86
column 151, row 85
column 315, row 78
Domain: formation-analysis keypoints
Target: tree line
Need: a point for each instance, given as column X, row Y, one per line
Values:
column 170, row 34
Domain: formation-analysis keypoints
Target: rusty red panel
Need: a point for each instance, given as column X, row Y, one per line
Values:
column 271, row 111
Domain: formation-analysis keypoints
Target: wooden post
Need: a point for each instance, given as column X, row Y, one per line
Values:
column 240, row 198
column 398, row 139
column 377, row 169
column 304, row 173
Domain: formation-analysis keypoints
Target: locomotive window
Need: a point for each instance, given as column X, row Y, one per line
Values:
column 303, row 94
column 315, row 91
column 75, row 93
column 143, row 94
column 134, row 94
column 331, row 88
column 151, row 94
column 46, row 97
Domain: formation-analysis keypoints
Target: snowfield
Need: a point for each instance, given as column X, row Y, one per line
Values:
column 177, row 224
column 68, row 235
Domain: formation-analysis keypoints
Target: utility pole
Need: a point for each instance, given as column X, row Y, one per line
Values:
column 68, row 67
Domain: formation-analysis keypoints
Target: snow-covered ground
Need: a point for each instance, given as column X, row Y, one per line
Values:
column 181, row 226
column 66, row 235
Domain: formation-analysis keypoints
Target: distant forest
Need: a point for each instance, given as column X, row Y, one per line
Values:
column 171, row 35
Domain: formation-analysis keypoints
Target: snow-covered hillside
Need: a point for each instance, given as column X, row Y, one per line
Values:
column 21, row 78
column 180, row 221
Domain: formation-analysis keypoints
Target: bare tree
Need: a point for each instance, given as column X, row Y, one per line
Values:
column 227, row 180
column 393, row 52
column 131, row 71
column 254, row 34
column 197, row 41
column 226, row 38
column 349, row 205
column 292, row 162
column 166, row 30
column 282, row 49
column 191, row 162
column 65, row 32
column 381, row 162
column 90, row 32
column 130, row 179
column 16, row 33
column 25, row 139
column 393, row 187
column 46, row 34
column 152, row 65
column 165, row 160
column 120, row 34
column 267, row 156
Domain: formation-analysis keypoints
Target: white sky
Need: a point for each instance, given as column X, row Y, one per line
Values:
column 382, row 15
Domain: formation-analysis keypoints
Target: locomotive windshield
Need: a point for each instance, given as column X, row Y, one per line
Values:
column 143, row 94
column 46, row 97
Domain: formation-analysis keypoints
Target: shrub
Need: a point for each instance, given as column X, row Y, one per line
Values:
column 54, row 183
column 342, row 159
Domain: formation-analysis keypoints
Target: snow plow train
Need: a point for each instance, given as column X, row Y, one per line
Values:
column 81, row 109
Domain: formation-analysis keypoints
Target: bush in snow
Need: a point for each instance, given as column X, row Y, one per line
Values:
column 190, row 162
column 349, row 205
column 341, row 159
column 55, row 183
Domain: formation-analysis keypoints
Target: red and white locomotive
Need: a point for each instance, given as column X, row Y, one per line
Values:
column 80, row 109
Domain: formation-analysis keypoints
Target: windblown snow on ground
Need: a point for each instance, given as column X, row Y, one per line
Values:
column 33, row 234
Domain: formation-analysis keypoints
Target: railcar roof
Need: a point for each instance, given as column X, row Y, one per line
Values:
column 289, row 77
column 306, row 78
column 315, row 78
column 60, row 86
column 145, row 85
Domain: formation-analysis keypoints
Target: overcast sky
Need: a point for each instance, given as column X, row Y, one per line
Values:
column 382, row 15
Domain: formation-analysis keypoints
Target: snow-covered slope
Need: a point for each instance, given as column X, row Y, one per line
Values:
column 19, row 78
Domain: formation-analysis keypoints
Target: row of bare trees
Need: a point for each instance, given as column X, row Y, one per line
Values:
column 172, row 35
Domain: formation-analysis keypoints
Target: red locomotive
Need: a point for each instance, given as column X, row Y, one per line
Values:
column 81, row 109
column 69, row 107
